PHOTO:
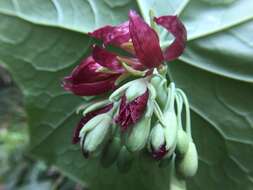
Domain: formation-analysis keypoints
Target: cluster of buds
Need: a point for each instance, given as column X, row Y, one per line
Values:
column 138, row 109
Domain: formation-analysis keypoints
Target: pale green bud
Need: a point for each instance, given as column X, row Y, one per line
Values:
column 125, row 160
column 96, row 137
column 160, row 84
column 95, row 106
column 170, row 131
column 92, row 123
column 136, row 89
column 188, row 165
column 139, row 134
column 110, row 152
column 156, row 138
column 182, row 143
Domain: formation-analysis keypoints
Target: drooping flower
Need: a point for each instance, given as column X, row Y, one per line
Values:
column 86, row 118
column 142, row 41
column 89, row 79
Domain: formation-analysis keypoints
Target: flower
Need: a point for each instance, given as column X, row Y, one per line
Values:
column 86, row 118
column 89, row 79
column 144, row 92
column 142, row 41
column 131, row 112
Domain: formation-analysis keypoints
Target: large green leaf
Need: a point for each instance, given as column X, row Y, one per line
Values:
column 42, row 40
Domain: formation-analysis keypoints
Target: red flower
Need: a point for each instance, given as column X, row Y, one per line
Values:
column 87, row 80
column 85, row 119
column 131, row 112
column 144, row 39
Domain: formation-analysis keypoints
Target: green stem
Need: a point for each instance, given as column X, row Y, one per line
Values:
column 151, row 18
column 179, row 102
column 159, row 114
column 187, row 111
column 171, row 97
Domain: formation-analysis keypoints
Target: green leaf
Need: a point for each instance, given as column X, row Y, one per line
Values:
column 42, row 40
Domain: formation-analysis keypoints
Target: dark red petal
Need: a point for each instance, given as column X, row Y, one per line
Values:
column 85, row 119
column 86, row 71
column 138, row 106
column 131, row 112
column 145, row 41
column 159, row 154
column 113, row 34
column 176, row 27
column 106, row 59
column 91, row 89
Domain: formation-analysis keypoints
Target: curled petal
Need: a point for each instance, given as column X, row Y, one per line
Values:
column 106, row 59
column 131, row 112
column 160, row 153
column 85, row 80
column 86, row 71
column 92, row 88
column 145, row 41
column 85, row 119
column 176, row 27
column 113, row 34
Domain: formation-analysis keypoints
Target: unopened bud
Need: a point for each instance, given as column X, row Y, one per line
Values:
column 132, row 89
column 160, row 84
column 95, row 106
column 170, row 131
column 156, row 139
column 92, row 123
column 182, row 143
column 97, row 136
column 136, row 89
column 138, row 136
column 188, row 165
